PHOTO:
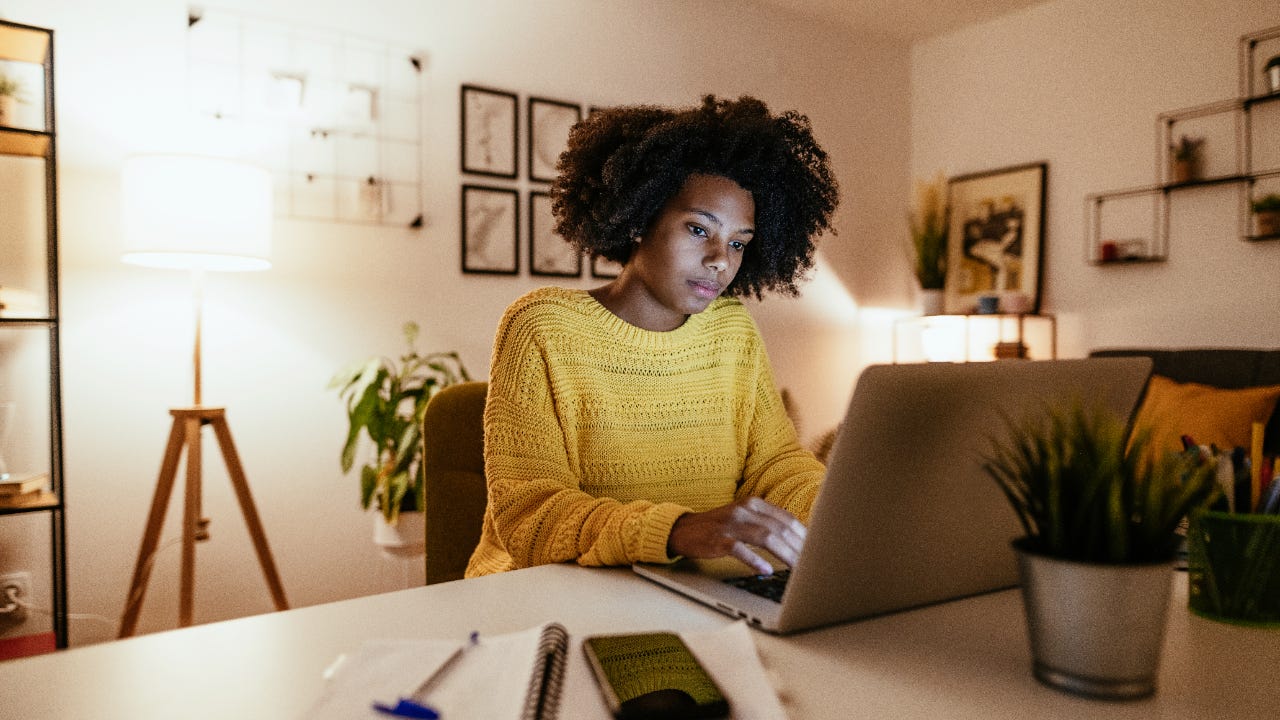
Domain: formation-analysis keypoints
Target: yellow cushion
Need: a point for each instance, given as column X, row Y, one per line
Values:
column 1208, row 414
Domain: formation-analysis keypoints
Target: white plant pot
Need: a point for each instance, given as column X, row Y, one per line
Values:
column 1095, row 629
column 407, row 538
column 931, row 302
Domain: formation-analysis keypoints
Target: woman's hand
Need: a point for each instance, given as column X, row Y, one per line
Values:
column 731, row 530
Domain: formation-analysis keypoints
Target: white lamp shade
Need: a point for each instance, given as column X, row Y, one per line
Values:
column 196, row 213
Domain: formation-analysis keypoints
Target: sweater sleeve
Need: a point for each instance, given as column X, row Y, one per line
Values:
column 777, row 468
column 538, row 511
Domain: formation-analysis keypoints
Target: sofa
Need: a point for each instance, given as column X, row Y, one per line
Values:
column 1249, row 376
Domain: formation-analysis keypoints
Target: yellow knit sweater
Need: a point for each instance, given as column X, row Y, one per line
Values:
column 599, row 435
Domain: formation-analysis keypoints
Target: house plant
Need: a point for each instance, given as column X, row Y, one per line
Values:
column 1101, row 513
column 1267, row 211
column 1186, row 158
column 10, row 90
column 928, row 222
column 385, row 403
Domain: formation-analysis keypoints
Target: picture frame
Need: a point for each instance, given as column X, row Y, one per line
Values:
column 549, row 254
column 995, row 237
column 549, row 124
column 603, row 269
column 489, row 131
column 490, row 230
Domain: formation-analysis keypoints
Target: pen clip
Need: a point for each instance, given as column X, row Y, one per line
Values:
column 408, row 709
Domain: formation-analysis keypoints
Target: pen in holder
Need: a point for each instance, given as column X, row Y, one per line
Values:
column 1234, row 567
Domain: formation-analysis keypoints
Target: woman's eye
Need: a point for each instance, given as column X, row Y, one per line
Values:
column 696, row 230
column 738, row 245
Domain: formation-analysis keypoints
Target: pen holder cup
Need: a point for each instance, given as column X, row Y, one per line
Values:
column 1234, row 568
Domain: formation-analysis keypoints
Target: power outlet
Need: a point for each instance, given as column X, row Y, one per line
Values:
column 14, row 585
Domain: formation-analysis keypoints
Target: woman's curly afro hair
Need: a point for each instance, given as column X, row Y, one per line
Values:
column 623, row 164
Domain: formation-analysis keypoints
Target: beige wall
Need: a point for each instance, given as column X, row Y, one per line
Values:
column 1080, row 83
column 338, row 293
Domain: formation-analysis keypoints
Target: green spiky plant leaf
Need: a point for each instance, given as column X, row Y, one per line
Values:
column 1084, row 491
column 385, row 402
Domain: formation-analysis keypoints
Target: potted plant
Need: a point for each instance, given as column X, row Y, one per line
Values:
column 10, row 91
column 1267, row 211
column 928, row 222
column 1186, row 158
column 1101, row 513
column 385, row 403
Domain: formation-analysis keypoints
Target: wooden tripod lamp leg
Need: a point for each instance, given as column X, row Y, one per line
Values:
column 250, row 511
column 151, row 535
column 190, row 521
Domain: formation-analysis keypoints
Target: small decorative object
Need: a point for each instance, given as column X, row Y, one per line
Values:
column 988, row 304
column 1272, row 71
column 1101, row 513
column 995, row 235
column 490, row 228
column 10, row 96
column 1266, row 210
column 385, row 402
column 928, row 222
column 1186, row 158
column 549, row 254
column 488, row 132
column 549, row 124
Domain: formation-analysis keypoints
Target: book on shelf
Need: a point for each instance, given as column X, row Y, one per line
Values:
column 12, row 484
column 513, row 676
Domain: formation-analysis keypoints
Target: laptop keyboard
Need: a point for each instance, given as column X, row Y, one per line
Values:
column 766, row 586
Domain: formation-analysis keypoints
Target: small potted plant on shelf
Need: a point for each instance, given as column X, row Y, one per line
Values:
column 1266, row 211
column 1186, row 158
column 928, row 222
column 385, row 402
column 10, row 95
column 1101, row 513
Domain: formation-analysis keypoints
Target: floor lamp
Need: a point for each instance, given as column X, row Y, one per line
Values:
column 198, row 214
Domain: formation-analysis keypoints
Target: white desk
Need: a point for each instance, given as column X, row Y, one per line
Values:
column 966, row 659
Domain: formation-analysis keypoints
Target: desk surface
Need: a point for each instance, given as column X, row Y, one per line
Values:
column 965, row 659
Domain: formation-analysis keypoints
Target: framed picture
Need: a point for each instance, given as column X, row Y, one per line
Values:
column 549, row 123
column 488, row 132
column 604, row 269
column 549, row 254
column 490, row 230
column 995, row 236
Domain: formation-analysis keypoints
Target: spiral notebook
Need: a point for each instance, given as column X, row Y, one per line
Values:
column 514, row 676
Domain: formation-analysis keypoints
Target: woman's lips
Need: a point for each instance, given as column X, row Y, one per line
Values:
column 706, row 288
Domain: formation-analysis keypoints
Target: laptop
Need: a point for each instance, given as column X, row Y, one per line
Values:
column 906, row 516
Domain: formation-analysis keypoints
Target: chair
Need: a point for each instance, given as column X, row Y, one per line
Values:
column 453, row 473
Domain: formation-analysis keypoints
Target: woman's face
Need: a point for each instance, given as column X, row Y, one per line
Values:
column 690, row 252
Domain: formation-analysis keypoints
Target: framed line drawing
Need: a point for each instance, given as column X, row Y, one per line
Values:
column 549, row 254
column 996, row 236
column 549, row 123
column 490, row 230
column 489, row 131
column 605, row 269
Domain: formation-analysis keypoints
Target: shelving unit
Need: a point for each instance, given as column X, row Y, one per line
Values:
column 967, row 338
column 29, row 333
column 1121, row 243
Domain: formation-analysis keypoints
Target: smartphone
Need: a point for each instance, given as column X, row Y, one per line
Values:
column 646, row 676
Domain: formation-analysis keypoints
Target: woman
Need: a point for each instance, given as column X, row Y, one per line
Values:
column 639, row 421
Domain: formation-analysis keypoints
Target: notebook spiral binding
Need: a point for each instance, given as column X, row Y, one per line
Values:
column 542, row 701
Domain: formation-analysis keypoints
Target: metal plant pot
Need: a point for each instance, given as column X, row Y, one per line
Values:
column 1095, row 629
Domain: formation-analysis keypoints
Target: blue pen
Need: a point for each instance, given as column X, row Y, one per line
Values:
column 414, row 705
